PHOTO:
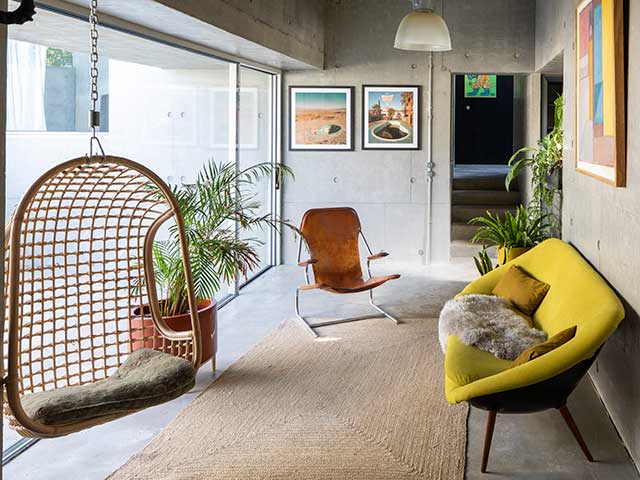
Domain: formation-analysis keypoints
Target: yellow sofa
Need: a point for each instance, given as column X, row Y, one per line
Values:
column 578, row 296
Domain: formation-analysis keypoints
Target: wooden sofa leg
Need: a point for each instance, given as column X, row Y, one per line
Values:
column 488, row 436
column 564, row 411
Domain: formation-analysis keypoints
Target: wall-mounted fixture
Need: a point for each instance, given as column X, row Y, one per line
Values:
column 423, row 30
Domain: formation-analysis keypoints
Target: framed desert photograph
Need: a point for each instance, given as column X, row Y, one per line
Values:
column 391, row 119
column 321, row 118
column 600, row 91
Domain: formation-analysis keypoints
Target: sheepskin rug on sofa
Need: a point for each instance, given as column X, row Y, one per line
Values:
column 488, row 323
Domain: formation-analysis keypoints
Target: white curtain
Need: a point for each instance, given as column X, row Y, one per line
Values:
column 26, row 68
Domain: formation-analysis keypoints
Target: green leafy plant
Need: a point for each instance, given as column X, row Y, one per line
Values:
column 56, row 57
column 524, row 228
column 483, row 261
column 219, row 200
column 544, row 161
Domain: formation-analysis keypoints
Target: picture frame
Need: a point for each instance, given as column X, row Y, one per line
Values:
column 391, row 118
column 321, row 118
column 481, row 85
column 600, row 101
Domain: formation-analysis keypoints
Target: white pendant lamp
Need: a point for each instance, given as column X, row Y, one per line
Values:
column 423, row 30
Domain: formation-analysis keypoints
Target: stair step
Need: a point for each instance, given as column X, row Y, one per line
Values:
column 485, row 197
column 488, row 182
column 463, row 231
column 464, row 213
column 461, row 248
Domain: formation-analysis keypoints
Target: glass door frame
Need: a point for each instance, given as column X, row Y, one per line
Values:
column 275, row 153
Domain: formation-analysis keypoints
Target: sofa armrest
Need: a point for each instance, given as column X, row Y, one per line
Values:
column 377, row 256
column 308, row 262
column 535, row 371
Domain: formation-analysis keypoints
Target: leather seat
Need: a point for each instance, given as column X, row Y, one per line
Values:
column 361, row 286
column 333, row 237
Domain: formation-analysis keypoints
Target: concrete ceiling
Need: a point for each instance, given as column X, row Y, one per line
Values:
column 555, row 66
column 156, row 16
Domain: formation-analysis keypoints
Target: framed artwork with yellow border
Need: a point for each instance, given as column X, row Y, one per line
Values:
column 600, row 146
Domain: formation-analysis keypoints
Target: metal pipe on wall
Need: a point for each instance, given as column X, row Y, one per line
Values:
column 429, row 161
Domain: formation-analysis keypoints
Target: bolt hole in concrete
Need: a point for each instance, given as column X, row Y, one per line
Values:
column 390, row 131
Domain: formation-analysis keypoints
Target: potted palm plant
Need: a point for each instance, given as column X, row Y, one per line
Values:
column 513, row 234
column 219, row 209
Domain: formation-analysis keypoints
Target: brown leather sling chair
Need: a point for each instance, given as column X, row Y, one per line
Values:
column 332, row 237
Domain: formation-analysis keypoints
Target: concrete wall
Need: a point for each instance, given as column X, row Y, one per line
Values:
column 519, row 110
column 532, row 106
column 292, row 27
column 388, row 187
column 602, row 221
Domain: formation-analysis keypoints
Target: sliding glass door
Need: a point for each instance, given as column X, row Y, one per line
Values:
column 256, row 108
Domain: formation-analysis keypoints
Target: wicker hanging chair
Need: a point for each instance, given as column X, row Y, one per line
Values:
column 78, row 262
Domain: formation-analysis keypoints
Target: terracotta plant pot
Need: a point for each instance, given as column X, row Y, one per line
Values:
column 145, row 335
column 506, row 255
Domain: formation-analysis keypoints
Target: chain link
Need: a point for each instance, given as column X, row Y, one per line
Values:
column 93, row 20
column 94, row 114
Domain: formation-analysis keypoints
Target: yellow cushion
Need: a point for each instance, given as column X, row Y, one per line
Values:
column 542, row 348
column 578, row 296
column 524, row 291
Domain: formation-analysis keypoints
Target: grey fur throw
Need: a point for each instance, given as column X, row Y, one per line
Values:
column 488, row 323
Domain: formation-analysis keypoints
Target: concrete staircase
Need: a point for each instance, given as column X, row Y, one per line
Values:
column 476, row 190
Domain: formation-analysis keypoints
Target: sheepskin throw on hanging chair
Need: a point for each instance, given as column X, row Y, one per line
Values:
column 489, row 323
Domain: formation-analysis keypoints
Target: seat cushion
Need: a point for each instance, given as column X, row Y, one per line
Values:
column 554, row 342
column 146, row 378
column 521, row 289
column 359, row 286
column 465, row 364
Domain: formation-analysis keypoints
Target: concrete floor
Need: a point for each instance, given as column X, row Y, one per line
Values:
column 525, row 446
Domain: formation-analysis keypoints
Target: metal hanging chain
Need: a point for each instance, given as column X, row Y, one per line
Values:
column 94, row 114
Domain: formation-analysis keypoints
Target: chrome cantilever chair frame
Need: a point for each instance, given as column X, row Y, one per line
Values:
column 310, row 327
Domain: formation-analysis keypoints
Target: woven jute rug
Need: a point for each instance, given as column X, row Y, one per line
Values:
column 365, row 403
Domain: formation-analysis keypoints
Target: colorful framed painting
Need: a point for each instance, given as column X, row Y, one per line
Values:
column 600, row 91
column 321, row 118
column 480, row 86
column 391, row 117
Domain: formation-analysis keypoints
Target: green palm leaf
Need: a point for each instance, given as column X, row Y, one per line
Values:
column 218, row 210
column 522, row 229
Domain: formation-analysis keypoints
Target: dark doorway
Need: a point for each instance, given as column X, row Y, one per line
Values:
column 484, row 124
